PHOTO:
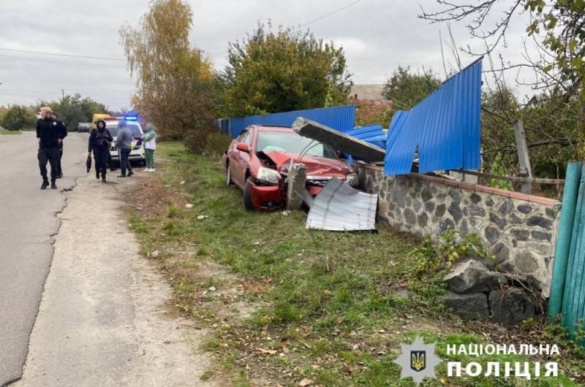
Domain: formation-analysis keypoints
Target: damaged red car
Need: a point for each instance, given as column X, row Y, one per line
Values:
column 259, row 159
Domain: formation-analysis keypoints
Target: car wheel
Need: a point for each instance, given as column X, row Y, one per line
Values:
column 228, row 179
column 248, row 197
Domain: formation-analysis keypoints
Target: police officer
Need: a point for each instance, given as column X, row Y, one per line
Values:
column 99, row 143
column 49, row 136
column 63, row 131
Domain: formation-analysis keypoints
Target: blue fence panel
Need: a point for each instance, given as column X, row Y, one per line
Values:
column 341, row 118
column 573, row 310
column 401, row 145
column 374, row 134
column 223, row 125
column 445, row 126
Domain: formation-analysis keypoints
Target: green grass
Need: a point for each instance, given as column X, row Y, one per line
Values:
column 8, row 132
column 329, row 298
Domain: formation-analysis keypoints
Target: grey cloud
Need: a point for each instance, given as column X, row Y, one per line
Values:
column 377, row 35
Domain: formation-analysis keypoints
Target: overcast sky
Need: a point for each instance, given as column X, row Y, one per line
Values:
column 377, row 36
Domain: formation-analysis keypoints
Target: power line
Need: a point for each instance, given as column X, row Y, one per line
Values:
column 331, row 13
column 62, row 55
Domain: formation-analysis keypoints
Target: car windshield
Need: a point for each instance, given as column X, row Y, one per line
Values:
column 291, row 142
column 113, row 128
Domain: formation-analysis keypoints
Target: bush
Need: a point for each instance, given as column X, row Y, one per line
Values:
column 434, row 259
column 18, row 117
column 217, row 143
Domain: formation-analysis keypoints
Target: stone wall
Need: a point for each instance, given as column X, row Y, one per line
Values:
column 519, row 229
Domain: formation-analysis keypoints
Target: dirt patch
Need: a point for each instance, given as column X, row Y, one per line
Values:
column 221, row 297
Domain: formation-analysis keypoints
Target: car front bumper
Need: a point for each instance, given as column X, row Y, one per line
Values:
column 267, row 197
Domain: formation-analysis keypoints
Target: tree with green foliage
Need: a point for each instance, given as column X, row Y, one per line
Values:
column 283, row 70
column 499, row 111
column 73, row 109
column 174, row 81
column 405, row 88
column 557, row 25
column 18, row 117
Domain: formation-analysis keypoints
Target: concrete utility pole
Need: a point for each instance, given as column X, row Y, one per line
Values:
column 523, row 158
column 297, row 176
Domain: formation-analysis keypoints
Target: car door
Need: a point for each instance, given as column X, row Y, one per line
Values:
column 239, row 160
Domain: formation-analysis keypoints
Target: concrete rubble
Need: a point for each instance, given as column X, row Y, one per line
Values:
column 476, row 292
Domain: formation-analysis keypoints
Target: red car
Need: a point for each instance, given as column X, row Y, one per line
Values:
column 259, row 159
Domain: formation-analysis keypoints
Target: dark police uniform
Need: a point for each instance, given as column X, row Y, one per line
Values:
column 49, row 136
column 100, row 141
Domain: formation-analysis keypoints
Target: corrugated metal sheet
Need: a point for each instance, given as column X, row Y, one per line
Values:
column 573, row 308
column 338, row 207
column 445, row 127
column 341, row 118
column 223, row 125
column 374, row 134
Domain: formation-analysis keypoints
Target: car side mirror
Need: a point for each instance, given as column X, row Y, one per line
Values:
column 243, row 147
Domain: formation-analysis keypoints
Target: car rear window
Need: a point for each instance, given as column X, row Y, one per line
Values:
column 113, row 128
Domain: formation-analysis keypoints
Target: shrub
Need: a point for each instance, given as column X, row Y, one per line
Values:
column 18, row 117
column 435, row 258
column 217, row 143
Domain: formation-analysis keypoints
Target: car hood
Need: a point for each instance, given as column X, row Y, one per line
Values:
column 316, row 166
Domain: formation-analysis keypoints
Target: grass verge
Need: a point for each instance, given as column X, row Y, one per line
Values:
column 8, row 132
column 291, row 306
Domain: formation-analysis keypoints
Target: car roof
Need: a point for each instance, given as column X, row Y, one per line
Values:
column 116, row 123
column 266, row 128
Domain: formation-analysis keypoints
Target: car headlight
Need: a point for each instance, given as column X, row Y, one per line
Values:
column 352, row 179
column 268, row 175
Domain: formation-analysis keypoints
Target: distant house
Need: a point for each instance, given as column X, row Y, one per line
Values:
column 372, row 107
column 373, row 92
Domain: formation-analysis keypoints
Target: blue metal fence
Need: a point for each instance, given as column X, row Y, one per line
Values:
column 445, row 127
column 341, row 118
column 374, row 134
column 568, row 282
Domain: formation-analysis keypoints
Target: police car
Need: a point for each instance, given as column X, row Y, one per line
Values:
column 137, row 152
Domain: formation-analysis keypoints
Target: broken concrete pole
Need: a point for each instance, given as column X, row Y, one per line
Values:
column 297, row 177
column 511, row 306
column 339, row 141
column 467, row 306
column 472, row 277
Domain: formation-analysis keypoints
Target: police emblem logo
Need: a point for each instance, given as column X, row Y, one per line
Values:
column 418, row 361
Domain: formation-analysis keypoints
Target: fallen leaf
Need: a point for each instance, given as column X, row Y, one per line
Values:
column 188, row 205
column 201, row 217
column 182, row 182
column 267, row 351
column 306, row 382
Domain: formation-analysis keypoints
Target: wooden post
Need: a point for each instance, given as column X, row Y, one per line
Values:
column 297, row 177
column 523, row 157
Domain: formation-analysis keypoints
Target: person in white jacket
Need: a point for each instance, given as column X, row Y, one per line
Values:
column 149, row 140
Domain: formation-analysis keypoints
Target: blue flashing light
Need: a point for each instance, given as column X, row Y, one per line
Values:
column 131, row 117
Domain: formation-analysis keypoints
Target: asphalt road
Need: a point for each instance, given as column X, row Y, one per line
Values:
column 28, row 224
column 79, row 305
